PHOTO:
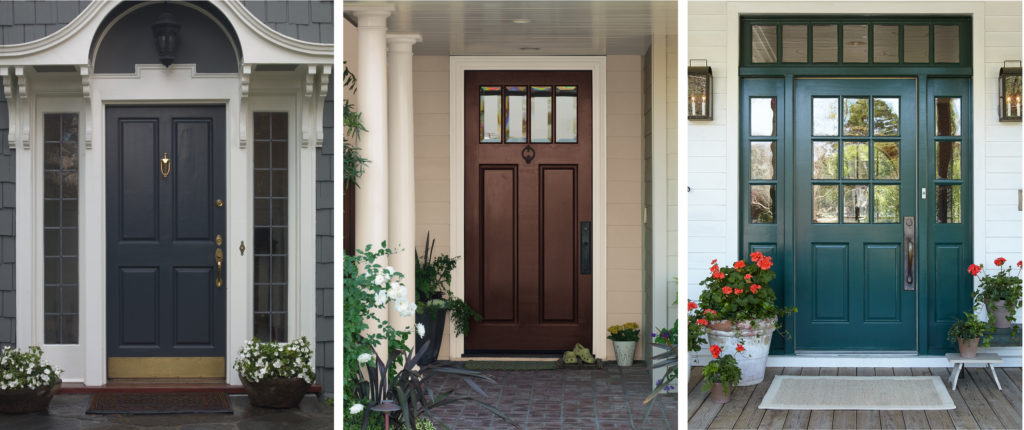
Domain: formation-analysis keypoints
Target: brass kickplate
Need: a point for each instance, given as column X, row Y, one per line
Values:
column 165, row 367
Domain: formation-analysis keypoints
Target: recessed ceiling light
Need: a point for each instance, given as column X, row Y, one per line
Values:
column 529, row 48
column 521, row 21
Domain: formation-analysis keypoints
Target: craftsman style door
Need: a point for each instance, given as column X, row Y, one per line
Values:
column 165, row 227
column 528, row 210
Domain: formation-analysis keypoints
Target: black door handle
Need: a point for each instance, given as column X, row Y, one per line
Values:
column 908, row 252
column 585, row 247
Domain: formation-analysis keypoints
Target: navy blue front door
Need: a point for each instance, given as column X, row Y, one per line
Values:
column 165, row 176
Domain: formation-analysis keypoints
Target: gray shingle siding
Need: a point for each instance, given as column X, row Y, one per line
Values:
column 308, row 20
column 24, row 21
column 7, row 299
column 324, row 253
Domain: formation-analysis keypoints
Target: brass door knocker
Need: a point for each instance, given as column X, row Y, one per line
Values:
column 165, row 166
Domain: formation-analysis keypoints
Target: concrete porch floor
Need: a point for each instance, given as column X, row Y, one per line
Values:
column 609, row 398
column 67, row 411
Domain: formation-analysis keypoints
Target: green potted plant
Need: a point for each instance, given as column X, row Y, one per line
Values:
column 435, row 300
column 27, row 382
column 275, row 375
column 967, row 333
column 739, row 309
column 624, row 338
column 1000, row 293
column 720, row 375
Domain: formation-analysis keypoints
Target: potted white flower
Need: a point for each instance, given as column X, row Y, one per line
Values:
column 27, row 382
column 276, row 375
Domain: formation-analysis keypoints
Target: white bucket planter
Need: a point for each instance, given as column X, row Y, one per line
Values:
column 757, row 340
column 624, row 350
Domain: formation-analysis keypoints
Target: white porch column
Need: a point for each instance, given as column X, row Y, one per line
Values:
column 371, row 100
column 402, row 185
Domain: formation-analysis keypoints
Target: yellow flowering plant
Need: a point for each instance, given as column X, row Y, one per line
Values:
column 624, row 332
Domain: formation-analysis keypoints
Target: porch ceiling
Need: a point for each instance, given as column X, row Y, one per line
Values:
column 551, row 27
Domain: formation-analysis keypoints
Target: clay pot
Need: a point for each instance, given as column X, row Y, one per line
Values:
column 756, row 339
column 277, row 393
column 968, row 347
column 25, row 400
column 718, row 393
column 999, row 313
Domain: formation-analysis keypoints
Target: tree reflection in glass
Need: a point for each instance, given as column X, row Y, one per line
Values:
column 762, row 204
column 855, row 160
column 855, row 203
column 855, row 117
column 887, row 116
column 826, row 160
column 825, row 116
column 887, row 160
column 826, row 203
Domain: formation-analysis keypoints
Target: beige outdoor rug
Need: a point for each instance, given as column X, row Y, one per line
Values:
column 886, row 393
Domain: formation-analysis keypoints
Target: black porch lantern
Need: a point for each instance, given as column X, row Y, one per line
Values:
column 165, row 34
column 698, row 103
column 1009, row 92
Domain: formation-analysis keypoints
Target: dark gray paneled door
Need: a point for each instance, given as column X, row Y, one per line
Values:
column 162, row 226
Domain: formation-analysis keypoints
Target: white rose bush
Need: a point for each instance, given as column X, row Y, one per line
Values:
column 26, row 370
column 259, row 360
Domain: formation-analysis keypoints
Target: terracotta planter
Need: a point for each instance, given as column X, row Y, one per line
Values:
column 26, row 400
column 756, row 339
column 718, row 393
column 624, row 350
column 999, row 313
column 968, row 347
column 277, row 393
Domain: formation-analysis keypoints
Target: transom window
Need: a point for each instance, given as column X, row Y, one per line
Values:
column 528, row 114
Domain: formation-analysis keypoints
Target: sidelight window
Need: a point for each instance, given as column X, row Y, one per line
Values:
column 60, row 228
column 270, row 231
column 948, row 177
column 763, row 159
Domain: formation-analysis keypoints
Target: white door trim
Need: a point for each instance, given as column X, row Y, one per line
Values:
column 458, row 67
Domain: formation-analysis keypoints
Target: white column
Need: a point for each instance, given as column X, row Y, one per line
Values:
column 402, row 185
column 371, row 101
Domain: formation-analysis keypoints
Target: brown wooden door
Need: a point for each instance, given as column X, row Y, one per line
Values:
column 528, row 201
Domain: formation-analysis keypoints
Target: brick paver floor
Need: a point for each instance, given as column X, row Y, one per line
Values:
column 610, row 398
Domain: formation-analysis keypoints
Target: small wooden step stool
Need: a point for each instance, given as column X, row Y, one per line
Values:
column 959, row 362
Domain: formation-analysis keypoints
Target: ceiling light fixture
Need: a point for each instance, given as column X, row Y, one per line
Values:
column 529, row 48
column 521, row 21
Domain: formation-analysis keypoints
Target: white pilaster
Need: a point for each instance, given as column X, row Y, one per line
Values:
column 402, row 195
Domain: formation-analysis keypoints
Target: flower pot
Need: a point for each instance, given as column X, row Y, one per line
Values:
column 433, row 323
column 999, row 313
column 24, row 400
column 968, row 347
column 277, row 393
column 718, row 393
column 756, row 339
column 624, row 350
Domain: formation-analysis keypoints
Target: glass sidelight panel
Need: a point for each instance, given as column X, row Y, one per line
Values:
column 825, row 41
column 826, row 203
column 855, row 160
column 826, row 160
column 762, row 160
column 855, row 43
column 60, row 228
column 887, row 160
column 825, row 116
column 794, row 43
column 762, row 116
column 886, row 43
column 887, row 116
column 855, row 204
column 565, row 112
column 763, row 44
column 490, row 115
column 270, row 229
column 762, row 204
column 540, row 114
column 855, row 117
column 947, row 116
column 947, row 160
column 887, row 203
column 948, row 204
column 515, row 114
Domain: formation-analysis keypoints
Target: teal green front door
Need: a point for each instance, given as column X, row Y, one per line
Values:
column 855, row 179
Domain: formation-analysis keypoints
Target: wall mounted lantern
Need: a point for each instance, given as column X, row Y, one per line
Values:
column 698, row 104
column 165, row 34
column 1009, row 92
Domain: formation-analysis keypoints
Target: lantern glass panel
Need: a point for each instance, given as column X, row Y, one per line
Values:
column 1010, row 95
column 699, row 103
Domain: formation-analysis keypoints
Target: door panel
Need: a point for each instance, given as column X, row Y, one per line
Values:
column 855, row 177
column 161, row 296
column 524, row 205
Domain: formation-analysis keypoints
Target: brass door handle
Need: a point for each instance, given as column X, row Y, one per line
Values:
column 165, row 166
column 219, row 256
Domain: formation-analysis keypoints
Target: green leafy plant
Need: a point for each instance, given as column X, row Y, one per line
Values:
column 624, row 333
column 723, row 370
column 260, row 360
column 741, row 292
column 1003, row 285
column 354, row 163
column 433, row 278
column 666, row 339
column 970, row 328
column 26, row 369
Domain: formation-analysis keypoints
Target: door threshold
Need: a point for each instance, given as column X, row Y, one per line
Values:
column 116, row 386
column 863, row 354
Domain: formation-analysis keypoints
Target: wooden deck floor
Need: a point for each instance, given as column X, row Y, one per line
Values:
column 979, row 404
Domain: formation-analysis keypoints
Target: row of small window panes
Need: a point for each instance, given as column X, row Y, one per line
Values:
column 522, row 121
column 856, row 160
column 271, row 326
column 858, row 116
column 60, row 232
column 855, row 201
column 270, row 207
column 886, row 43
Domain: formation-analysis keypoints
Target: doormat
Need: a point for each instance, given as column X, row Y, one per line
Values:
column 160, row 403
column 511, row 365
column 884, row 393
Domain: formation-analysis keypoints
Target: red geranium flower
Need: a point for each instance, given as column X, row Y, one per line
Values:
column 710, row 311
column 765, row 263
column 714, row 269
column 1020, row 263
column 756, row 256
column 739, row 265
column 718, row 275
column 738, row 291
column 715, row 350
column 726, row 290
column 748, row 277
column 973, row 269
column 702, row 321
column 739, row 348
column 691, row 306
column 714, row 262
column 999, row 261
column 754, row 288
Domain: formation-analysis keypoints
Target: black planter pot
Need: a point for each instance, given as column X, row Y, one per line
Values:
column 433, row 322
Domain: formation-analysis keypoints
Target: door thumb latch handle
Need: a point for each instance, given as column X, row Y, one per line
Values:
column 219, row 256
